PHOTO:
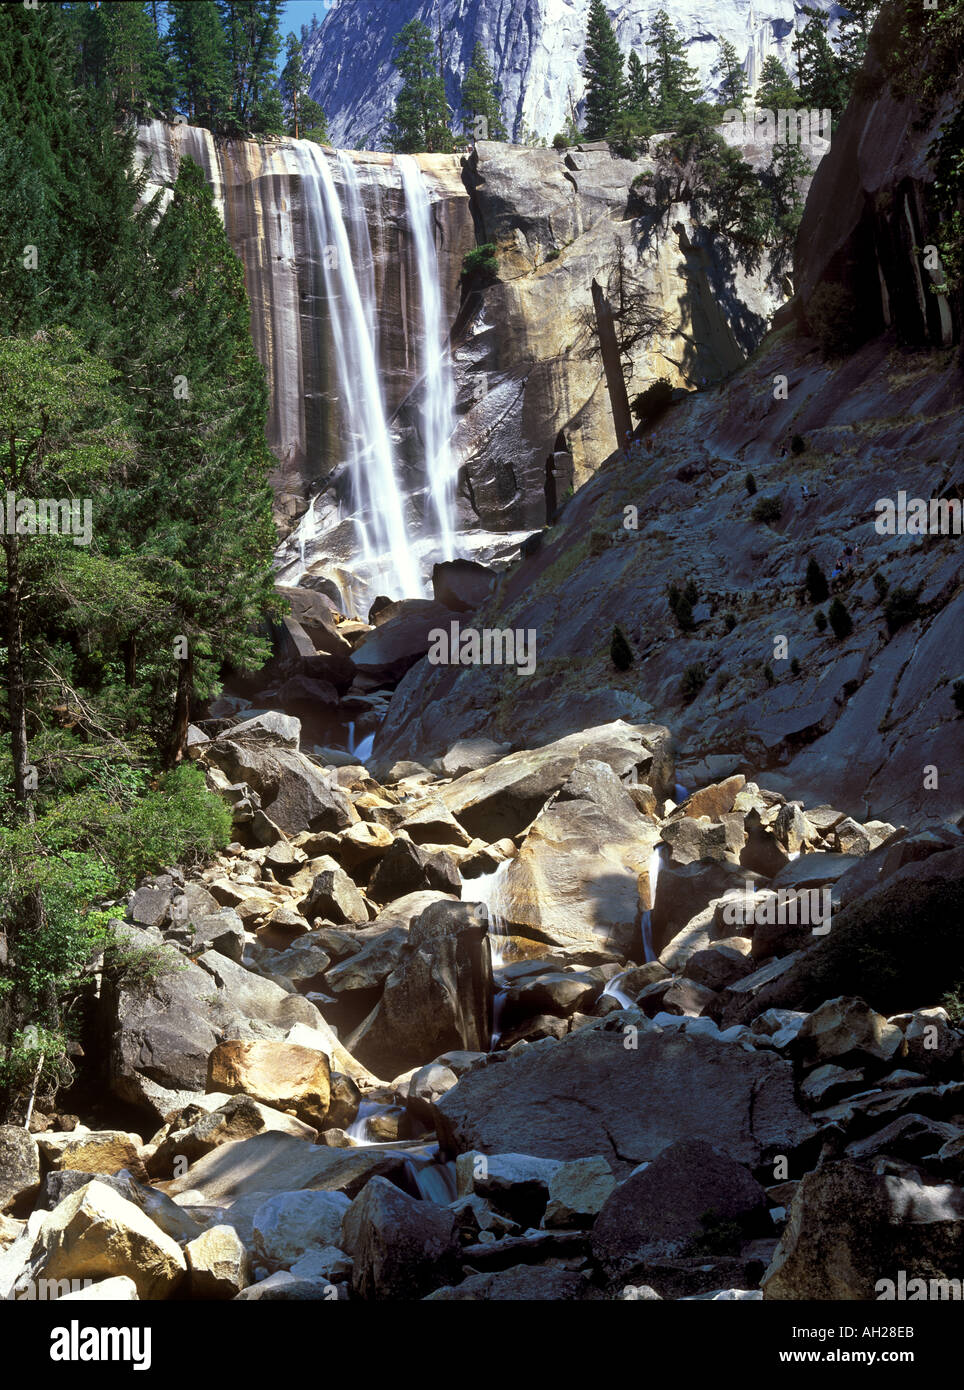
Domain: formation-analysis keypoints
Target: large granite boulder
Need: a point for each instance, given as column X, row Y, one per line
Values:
column 626, row 1096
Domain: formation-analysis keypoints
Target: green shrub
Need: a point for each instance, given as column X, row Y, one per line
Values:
column 881, row 585
column 750, row 484
column 134, row 968
column 832, row 318
column 553, row 254
column 684, row 614
column 729, row 621
column 766, row 509
column 797, row 444
column 768, row 675
column 481, row 260
column 693, row 681
column 901, row 607
column 690, row 591
column 820, row 620
column 649, row 404
column 958, row 697
column 559, row 142
column 840, row 620
column 619, row 650
column 816, row 583
column 795, row 666
column 719, row 1236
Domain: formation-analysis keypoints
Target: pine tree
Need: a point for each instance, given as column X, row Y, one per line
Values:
column 821, row 80
column 676, row 84
column 732, row 78
column 481, row 99
column 420, row 120
column 304, row 118
column 639, row 92
column 252, row 31
column 200, row 61
column 200, row 497
column 136, row 68
column 853, row 34
column 605, row 81
column 775, row 90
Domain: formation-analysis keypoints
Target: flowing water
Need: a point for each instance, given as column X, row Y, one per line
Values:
column 438, row 393
column 383, row 538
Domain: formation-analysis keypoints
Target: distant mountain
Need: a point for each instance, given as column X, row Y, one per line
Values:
column 535, row 47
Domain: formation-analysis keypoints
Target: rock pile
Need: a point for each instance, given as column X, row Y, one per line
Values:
column 519, row 1027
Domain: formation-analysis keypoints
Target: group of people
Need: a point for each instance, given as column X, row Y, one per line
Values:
column 849, row 557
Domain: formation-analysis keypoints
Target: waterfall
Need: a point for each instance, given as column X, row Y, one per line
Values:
column 377, row 496
column 438, row 392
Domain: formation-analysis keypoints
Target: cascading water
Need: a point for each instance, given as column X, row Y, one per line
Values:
column 438, row 393
column 489, row 889
column 378, row 498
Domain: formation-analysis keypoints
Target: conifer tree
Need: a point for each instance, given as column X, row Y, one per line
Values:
column 732, row 78
column 775, row 90
column 821, row 79
column 481, row 98
column 676, row 85
column 136, row 68
column 252, row 31
column 200, row 61
column 639, row 92
column 605, row 81
column 304, row 118
column 420, row 120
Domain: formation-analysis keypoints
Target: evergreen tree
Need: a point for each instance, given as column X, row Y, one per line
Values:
column 676, row 85
column 775, row 91
column 853, row 34
column 200, row 61
column 821, row 79
column 420, row 121
column 304, row 118
column 252, row 31
column 200, row 497
column 136, row 68
column 605, row 81
column 639, row 93
column 732, row 78
column 481, row 98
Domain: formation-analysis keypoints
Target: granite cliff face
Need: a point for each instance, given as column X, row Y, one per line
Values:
column 525, row 387
column 535, row 47
column 866, row 719
column 259, row 189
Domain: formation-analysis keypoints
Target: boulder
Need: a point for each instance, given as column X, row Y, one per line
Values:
column 461, row 585
column 406, row 868
column 191, row 1135
column 846, row 1030
column 578, row 1191
column 290, row 1224
column 105, row 1151
column 503, row 798
column 713, row 801
column 219, row 1265
column 684, row 1198
column 295, row 794
column 280, row 1163
column 97, row 1234
column 333, row 896
column 528, row 1283
column 575, row 879
column 439, row 996
column 270, row 727
column 120, row 1289
column 471, row 755
column 853, row 1234
column 402, row 1248
column 626, row 1090
column 19, row 1169
column 279, row 1074
column 684, row 890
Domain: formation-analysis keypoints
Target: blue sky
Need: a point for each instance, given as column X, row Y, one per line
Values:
column 298, row 12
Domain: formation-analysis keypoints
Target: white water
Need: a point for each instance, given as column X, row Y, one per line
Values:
column 438, row 391
column 377, row 496
column 488, row 889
